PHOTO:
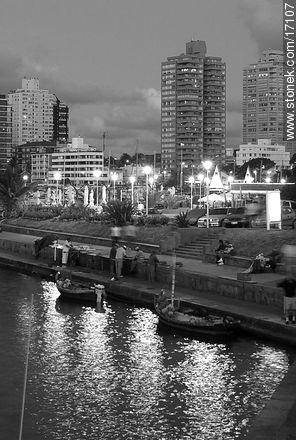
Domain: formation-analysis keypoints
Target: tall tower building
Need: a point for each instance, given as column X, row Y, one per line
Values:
column 192, row 108
column 60, row 122
column 5, row 132
column 263, row 98
column 35, row 114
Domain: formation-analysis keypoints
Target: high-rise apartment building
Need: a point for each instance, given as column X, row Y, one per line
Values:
column 35, row 114
column 263, row 98
column 60, row 122
column 192, row 108
column 5, row 132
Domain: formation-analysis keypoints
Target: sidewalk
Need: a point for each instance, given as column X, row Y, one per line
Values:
column 188, row 265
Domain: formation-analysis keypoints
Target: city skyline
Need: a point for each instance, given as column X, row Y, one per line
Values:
column 103, row 58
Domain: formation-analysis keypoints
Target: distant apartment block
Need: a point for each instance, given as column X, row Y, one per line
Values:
column 37, row 115
column 263, row 98
column 5, row 132
column 265, row 150
column 192, row 108
column 77, row 162
column 26, row 152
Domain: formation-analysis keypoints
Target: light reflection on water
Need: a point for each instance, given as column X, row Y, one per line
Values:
column 112, row 376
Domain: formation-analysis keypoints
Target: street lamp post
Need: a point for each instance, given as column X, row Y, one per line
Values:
column 200, row 178
column 114, row 177
column 25, row 179
column 97, row 175
column 57, row 176
column 132, row 179
column 147, row 170
column 191, row 181
column 230, row 180
column 207, row 165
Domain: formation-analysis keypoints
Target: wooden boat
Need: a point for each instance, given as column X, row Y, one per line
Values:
column 79, row 292
column 190, row 322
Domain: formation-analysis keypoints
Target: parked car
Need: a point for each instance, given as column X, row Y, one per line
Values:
column 194, row 215
column 216, row 217
column 159, row 206
column 288, row 216
column 154, row 211
column 238, row 218
column 289, row 204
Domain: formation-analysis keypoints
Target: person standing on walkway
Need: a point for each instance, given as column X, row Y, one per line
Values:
column 120, row 254
column 112, row 257
column 138, row 258
column 152, row 265
column 289, row 286
column 65, row 251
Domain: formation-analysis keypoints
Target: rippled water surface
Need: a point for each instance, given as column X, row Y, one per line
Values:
column 114, row 375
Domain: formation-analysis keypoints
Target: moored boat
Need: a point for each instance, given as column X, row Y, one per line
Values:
column 191, row 321
column 72, row 291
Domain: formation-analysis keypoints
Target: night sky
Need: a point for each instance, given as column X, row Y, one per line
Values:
column 102, row 57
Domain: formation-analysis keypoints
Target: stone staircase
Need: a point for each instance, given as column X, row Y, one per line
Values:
column 195, row 249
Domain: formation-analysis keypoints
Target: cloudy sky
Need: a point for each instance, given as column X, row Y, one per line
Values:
column 102, row 57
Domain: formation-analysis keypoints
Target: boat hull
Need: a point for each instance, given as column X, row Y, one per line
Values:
column 207, row 329
column 79, row 294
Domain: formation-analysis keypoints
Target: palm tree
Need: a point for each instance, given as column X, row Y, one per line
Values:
column 119, row 212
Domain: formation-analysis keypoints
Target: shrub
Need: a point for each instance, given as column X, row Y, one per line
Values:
column 42, row 212
column 141, row 220
column 182, row 220
column 80, row 212
column 119, row 212
column 155, row 220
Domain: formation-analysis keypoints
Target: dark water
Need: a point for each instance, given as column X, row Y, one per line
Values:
column 113, row 375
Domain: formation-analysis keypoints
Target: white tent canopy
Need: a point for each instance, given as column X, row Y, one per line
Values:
column 213, row 198
column 248, row 177
column 216, row 182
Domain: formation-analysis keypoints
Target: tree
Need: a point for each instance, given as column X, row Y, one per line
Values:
column 259, row 164
column 12, row 186
column 125, row 159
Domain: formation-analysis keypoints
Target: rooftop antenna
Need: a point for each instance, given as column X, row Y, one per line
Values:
column 104, row 137
column 137, row 157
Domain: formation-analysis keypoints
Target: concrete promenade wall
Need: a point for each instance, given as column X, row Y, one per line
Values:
column 224, row 286
column 176, row 237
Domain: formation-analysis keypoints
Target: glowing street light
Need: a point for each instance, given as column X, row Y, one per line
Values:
column 57, row 176
column 230, row 180
column 25, row 179
column 268, row 180
column 97, row 174
column 132, row 179
column 147, row 170
column 114, row 177
column 207, row 165
column 191, row 181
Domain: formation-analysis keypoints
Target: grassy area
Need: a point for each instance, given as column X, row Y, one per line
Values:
column 144, row 234
column 247, row 242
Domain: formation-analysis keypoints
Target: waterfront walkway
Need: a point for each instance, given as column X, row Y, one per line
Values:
column 278, row 419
